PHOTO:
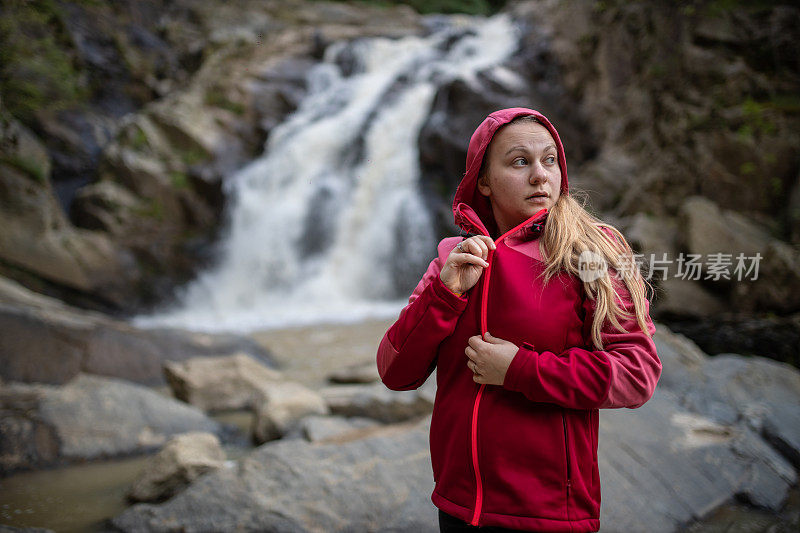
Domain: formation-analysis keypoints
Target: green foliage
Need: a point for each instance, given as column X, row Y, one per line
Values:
column 193, row 155
column 179, row 179
column 36, row 68
column 138, row 139
column 747, row 168
column 153, row 209
column 26, row 166
column 216, row 97
column 757, row 118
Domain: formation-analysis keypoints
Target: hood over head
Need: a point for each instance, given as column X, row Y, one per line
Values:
column 468, row 193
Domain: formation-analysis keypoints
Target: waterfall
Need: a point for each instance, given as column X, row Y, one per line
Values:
column 313, row 222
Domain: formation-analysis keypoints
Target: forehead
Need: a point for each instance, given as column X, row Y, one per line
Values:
column 527, row 134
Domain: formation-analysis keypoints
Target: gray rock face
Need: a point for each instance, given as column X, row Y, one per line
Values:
column 183, row 459
column 755, row 392
column 662, row 466
column 50, row 342
column 37, row 238
column 379, row 483
column 89, row 418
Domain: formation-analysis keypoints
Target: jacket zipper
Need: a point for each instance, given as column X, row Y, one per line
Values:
column 566, row 452
column 484, row 305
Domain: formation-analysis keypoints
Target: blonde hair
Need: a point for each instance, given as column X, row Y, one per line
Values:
column 571, row 230
column 568, row 232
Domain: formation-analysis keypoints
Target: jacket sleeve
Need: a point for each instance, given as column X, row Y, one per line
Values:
column 624, row 374
column 407, row 352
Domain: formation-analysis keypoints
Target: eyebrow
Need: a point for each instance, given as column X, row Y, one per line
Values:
column 520, row 147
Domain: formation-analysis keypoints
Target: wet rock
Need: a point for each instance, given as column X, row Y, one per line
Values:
column 282, row 406
column 379, row 403
column 37, row 239
column 379, row 483
column 219, row 383
column 50, row 342
column 756, row 392
column 688, row 463
column 89, row 418
column 182, row 460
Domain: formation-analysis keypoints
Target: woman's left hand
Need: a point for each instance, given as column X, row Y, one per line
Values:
column 489, row 358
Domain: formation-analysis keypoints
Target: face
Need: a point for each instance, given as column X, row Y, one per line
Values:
column 522, row 173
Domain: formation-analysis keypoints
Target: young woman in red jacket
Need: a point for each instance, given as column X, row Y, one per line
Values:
column 534, row 322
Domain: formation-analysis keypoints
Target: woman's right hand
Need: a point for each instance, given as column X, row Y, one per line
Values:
column 464, row 265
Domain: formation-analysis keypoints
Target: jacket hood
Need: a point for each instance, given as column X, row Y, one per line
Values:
column 467, row 197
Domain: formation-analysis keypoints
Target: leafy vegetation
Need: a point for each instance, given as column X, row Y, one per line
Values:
column 37, row 70
column 26, row 166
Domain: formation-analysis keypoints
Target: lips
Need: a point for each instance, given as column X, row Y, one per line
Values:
column 538, row 195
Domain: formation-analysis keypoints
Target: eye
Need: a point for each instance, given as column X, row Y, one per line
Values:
column 520, row 161
column 550, row 159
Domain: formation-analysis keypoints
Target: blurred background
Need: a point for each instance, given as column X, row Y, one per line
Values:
column 211, row 211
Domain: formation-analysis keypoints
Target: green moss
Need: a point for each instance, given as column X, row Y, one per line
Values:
column 777, row 186
column 26, row 166
column 153, row 209
column 747, row 168
column 193, row 155
column 138, row 139
column 216, row 97
column 37, row 66
column 179, row 179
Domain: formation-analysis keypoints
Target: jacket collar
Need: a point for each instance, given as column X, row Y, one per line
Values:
column 468, row 220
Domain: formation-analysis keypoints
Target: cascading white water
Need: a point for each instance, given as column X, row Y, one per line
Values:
column 312, row 227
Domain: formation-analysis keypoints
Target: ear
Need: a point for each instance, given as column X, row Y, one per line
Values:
column 483, row 186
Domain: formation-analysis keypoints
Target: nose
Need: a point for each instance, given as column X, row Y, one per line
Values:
column 538, row 174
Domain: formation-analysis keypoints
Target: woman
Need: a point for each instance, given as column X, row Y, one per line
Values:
column 527, row 340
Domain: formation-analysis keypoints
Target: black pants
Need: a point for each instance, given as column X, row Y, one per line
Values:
column 451, row 524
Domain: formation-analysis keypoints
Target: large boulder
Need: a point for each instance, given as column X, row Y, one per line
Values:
column 758, row 393
column 775, row 285
column 89, row 418
column 220, row 383
column 663, row 466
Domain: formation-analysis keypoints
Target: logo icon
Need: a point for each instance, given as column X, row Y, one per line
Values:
column 591, row 266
